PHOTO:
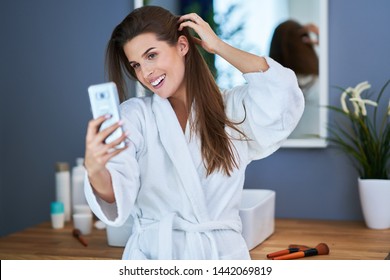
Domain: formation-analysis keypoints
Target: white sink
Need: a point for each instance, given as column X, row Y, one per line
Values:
column 257, row 214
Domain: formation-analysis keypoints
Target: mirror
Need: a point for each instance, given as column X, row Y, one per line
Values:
column 250, row 25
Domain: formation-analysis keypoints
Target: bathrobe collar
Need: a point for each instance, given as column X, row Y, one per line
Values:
column 175, row 144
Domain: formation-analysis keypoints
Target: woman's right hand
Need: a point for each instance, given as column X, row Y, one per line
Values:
column 97, row 152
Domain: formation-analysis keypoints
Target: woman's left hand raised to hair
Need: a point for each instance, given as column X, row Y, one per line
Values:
column 208, row 39
column 243, row 61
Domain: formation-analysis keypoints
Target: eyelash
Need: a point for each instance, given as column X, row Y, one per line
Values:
column 149, row 57
column 135, row 65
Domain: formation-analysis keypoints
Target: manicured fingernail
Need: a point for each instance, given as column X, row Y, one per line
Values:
column 107, row 116
column 120, row 122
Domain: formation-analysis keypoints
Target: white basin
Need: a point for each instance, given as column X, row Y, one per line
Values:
column 257, row 214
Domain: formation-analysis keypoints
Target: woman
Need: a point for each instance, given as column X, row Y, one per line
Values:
column 292, row 47
column 182, row 173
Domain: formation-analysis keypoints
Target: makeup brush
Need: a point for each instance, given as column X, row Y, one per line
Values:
column 320, row 249
column 284, row 252
column 77, row 235
column 292, row 248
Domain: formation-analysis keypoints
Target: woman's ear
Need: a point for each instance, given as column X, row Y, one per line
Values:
column 182, row 45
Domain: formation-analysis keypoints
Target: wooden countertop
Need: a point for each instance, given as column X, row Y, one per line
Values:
column 346, row 240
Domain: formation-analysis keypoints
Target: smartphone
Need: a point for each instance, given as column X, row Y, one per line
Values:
column 104, row 100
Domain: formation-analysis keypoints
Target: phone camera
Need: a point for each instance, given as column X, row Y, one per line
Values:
column 102, row 95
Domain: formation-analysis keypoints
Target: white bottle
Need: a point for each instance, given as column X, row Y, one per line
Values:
column 78, row 175
column 57, row 214
column 62, row 179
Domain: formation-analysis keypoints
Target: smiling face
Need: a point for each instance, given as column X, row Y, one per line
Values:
column 158, row 66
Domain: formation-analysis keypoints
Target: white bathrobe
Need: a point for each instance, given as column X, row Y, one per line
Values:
column 178, row 211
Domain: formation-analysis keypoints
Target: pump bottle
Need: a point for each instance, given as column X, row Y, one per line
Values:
column 78, row 175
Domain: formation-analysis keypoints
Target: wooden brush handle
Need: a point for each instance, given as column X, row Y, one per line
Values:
column 300, row 254
column 291, row 256
column 82, row 241
column 282, row 252
column 77, row 234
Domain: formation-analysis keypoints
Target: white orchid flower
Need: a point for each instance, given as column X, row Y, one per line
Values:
column 343, row 102
column 356, row 108
column 359, row 88
column 357, row 102
column 362, row 104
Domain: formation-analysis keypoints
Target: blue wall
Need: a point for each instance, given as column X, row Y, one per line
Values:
column 51, row 51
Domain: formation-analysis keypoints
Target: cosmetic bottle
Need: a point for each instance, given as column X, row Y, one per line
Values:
column 78, row 175
column 57, row 214
column 63, row 192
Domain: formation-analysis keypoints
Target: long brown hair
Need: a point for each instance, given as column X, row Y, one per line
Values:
column 289, row 49
column 217, row 149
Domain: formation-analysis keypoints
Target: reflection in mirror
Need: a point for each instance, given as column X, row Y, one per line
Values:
column 292, row 46
column 256, row 25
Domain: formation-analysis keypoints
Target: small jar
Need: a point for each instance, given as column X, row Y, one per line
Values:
column 57, row 214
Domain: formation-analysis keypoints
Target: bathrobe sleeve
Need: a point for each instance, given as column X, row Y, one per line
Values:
column 124, row 169
column 270, row 103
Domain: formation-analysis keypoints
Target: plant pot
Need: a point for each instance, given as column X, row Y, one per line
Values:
column 375, row 202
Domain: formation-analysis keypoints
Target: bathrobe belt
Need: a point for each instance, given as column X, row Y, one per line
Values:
column 172, row 222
